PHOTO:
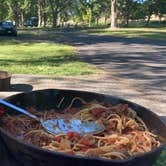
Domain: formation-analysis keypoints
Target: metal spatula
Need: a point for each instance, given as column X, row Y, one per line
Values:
column 56, row 126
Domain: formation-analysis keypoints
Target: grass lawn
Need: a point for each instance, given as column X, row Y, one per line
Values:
column 41, row 58
column 150, row 33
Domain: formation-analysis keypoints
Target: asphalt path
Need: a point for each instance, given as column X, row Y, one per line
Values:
column 137, row 66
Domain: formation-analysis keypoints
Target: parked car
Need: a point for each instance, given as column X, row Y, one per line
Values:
column 32, row 22
column 28, row 23
column 7, row 28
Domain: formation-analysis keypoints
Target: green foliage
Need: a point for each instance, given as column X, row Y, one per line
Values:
column 157, row 7
column 90, row 11
column 3, row 10
column 58, row 7
column 126, row 9
column 139, row 12
column 56, row 12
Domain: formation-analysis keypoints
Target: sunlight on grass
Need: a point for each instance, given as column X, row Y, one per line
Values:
column 151, row 33
column 41, row 58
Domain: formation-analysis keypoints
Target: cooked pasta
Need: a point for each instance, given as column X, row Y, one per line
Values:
column 125, row 133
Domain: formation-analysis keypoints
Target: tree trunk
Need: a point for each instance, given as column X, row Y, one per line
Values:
column 97, row 20
column 127, row 21
column 90, row 17
column 105, row 19
column 62, row 24
column 148, row 20
column 113, row 14
column 39, row 13
column 16, row 16
column 54, row 19
column 160, row 18
column 22, row 18
column 44, row 19
column 44, row 14
column 54, row 14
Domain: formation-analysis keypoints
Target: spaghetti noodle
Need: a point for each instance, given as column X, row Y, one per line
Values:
column 125, row 133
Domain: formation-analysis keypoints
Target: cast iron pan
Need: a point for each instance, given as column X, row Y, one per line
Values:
column 29, row 155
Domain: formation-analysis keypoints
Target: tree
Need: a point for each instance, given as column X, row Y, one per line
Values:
column 157, row 7
column 138, row 12
column 23, row 7
column 45, row 12
column 80, row 11
column 40, row 13
column 57, row 6
column 161, row 8
column 14, row 6
column 3, row 10
column 113, row 14
column 105, row 9
column 150, row 8
column 126, row 9
column 90, row 11
column 17, row 9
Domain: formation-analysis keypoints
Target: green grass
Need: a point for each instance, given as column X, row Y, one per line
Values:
column 150, row 33
column 41, row 58
column 162, row 160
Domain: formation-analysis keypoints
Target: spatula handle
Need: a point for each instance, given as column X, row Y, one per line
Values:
column 18, row 109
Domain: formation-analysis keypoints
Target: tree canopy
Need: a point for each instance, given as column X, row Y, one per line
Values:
column 57, row 12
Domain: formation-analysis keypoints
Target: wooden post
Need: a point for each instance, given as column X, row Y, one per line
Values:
column 5, row 78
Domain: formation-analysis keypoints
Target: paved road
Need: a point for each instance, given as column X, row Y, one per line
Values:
column 135, row 69
column 137, row 66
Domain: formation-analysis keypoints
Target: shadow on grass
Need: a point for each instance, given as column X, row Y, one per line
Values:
column 84, row 37
column 130, row 33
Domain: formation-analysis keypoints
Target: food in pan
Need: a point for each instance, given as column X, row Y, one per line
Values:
column 125, row 134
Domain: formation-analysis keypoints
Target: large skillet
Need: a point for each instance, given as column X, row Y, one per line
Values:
column 29, row 155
